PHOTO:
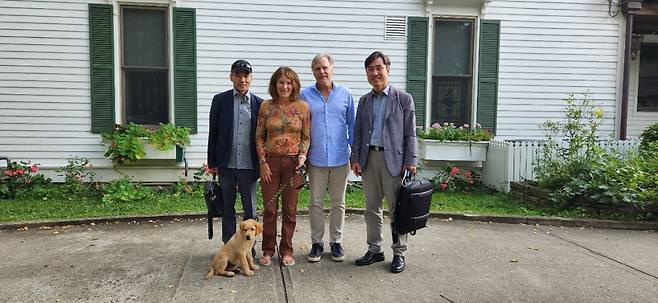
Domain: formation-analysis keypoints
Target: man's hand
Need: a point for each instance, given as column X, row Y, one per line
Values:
column 356, row 168
column 411, row 168
column 265, row 173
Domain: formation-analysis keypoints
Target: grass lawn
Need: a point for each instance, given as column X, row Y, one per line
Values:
column 180, row 203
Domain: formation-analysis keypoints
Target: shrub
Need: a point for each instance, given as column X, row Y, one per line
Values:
column 450, row 132
column 650, row 139
column 454, row 179
column 576, row 167
column 78, row 178
column 22, row 179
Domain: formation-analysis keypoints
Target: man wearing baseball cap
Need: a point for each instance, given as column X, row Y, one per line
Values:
column 232, row 147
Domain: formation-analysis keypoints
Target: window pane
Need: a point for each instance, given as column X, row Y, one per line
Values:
column 146, row 96
column 452, row 47
column 144, row 37
column 647, row 95
column 451, row 100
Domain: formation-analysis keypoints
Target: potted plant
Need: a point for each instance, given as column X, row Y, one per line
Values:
column 132, row 142
column 449, row 142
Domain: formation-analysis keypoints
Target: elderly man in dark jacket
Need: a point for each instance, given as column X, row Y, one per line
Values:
column 232, row 147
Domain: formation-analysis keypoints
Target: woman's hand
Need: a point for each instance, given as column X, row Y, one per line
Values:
column 300, row 162
column 265, row 173
column 356, row 168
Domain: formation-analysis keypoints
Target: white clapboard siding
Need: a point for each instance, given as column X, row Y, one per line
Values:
column 44, row 65
column 547, row 50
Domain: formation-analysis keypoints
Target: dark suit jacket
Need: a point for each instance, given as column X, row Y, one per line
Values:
column 399, row 131
column 220, row 137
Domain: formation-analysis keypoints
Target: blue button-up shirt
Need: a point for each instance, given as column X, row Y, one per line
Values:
column 241, row 149
column 378, row 116
column 332, row 125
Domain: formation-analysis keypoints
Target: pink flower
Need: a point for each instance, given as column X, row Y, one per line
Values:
column 468, row 174
column 20, row 171
column 34, row 168
column 466, row 125
column 454, row 171
column 443, row 186
column 436, row 125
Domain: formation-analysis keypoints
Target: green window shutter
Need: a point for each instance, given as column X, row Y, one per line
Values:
column 185, row 90
column 487, row 103
column 417, row 64
column 101, row 59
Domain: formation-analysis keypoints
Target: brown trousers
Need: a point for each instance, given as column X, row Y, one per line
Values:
column 283, row 170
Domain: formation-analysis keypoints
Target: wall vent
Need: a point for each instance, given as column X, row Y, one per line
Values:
column 395, row 28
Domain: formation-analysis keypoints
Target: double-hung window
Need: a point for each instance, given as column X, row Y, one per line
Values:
column 145, row 65
column 452, row 71
column 647, row 95
column 133, row 69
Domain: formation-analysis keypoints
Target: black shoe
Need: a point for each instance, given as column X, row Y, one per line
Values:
column 397, row 265
column 337, row 253
column 370, row 258
column 316, row 253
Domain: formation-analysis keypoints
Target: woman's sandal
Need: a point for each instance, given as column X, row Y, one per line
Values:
column 265, row 260
column 287, row 261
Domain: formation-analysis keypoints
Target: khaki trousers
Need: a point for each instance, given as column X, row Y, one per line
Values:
column 335, row 179
column 378, row 183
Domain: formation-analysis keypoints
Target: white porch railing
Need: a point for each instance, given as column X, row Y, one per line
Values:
column 512, row 161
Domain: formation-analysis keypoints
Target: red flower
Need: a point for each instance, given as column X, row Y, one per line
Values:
column 468, row 174
column 443, row 186
column 454, row 171
column 34, row 168
column 20, row 171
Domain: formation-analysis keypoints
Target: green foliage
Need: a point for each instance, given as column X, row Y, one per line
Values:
column 126, row 143
column 126, row 190
column 454, row 179
column 650, row 139
column 450, row 132
column 79, row 178
column 577, row 168
column 167, row 136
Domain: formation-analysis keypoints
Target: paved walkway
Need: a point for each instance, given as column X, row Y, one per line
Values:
column 452, row 261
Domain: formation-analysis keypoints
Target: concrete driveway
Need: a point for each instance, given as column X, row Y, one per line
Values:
column 451, row 261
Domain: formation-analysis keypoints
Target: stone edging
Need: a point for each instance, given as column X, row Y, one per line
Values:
column 358, row 211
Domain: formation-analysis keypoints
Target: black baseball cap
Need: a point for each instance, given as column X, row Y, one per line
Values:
column 241, row 65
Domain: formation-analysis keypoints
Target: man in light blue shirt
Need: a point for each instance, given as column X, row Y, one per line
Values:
column 332, row 129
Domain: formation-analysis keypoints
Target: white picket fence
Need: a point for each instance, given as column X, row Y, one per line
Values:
column 512, row 161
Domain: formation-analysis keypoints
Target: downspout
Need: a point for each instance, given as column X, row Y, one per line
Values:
column 623, row 123
column 629, row 8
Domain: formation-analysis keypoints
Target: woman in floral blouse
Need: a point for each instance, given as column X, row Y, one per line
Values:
column 282, row 141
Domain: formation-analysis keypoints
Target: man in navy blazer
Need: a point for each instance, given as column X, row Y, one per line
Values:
column 232, row 145
column 384, row 146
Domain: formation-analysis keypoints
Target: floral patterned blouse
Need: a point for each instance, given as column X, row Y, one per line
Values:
column 283, row 130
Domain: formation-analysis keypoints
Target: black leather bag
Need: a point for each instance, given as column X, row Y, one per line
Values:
column 214, row 202
column 412, row 208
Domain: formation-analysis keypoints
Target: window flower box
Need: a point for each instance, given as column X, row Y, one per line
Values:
column 452, row 150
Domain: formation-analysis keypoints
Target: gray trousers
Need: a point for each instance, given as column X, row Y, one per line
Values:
column 335, row 179
column 378, row 183
column 245, row 179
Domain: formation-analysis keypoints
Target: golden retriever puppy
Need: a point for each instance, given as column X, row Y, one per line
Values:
column 237, row 251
